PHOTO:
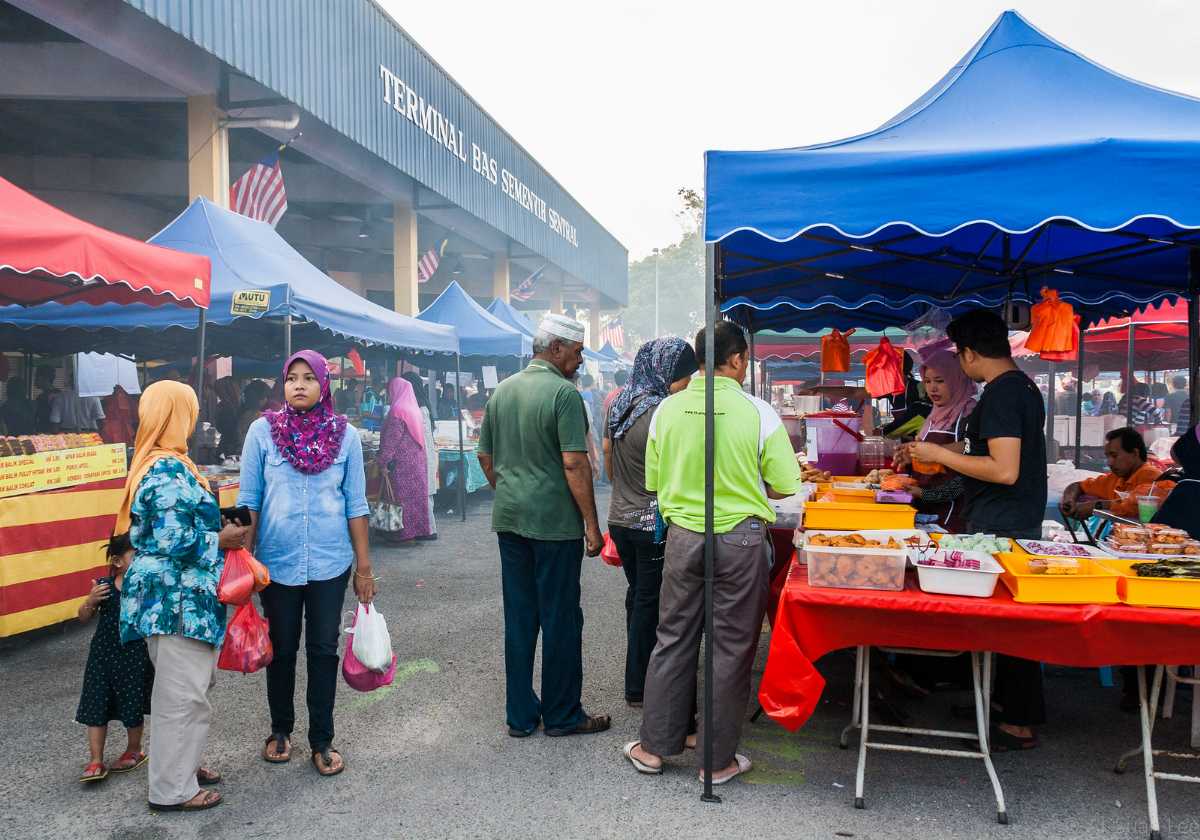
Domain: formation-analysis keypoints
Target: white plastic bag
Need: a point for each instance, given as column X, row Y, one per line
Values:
column 372, row 645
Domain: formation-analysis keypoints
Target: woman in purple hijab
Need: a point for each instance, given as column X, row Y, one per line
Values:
column 402, row 455
column 303, row 480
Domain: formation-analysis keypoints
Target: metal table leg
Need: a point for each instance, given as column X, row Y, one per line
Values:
column 856, row 701
column 1147, row 749
column 983, row 703
column 864, row 732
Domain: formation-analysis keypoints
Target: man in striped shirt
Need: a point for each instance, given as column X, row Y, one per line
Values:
column 754, row 462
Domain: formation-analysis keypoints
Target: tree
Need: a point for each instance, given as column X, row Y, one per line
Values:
column 680, row 283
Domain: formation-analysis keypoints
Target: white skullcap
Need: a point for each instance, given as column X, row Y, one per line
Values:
column 562, row 327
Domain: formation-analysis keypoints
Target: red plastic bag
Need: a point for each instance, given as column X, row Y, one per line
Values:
column 241, row 577
column 885, row 370
column 835, row 351
column 609, row 553
column 247, row 646
column 1053, row 325
column 358, row 676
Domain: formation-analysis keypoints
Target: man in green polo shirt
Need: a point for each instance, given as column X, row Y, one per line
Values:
column 533, row 449
column 753, row 461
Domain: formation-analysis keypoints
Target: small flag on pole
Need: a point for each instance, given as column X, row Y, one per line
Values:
column 613, row 333
column 525, row 290
column 427, row 266
column 259, row 193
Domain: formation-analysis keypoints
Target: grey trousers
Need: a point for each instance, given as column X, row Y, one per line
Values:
column 741, row 574
column 180, row 713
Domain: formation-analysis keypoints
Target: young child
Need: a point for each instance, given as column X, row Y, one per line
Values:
column 118, row 678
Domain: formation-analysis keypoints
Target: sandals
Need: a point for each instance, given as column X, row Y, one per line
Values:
column 591, row 725
column 94, row 772
column 282, row 753
column 128, row 761
column 638, row 765
column 326, row 756
column 743, row 766
column 206, row 777
column 208, row 799
column 1001, row 741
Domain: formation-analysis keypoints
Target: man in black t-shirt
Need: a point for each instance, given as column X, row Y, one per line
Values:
column 1004, row 463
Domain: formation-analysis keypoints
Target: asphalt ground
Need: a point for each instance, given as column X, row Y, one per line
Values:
column 429, row 757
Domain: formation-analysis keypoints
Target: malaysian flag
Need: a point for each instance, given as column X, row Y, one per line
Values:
column 427, row 266
column 613, row 333
column 525, row 290
column 259, row 193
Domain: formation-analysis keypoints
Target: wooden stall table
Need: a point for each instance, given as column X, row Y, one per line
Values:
column 813, row 621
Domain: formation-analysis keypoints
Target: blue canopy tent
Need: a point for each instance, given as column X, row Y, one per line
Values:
column 265, row 297
column 1026, row 165
column 516, row 319
column 484, row 339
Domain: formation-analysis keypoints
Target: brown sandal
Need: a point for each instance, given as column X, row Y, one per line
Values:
column 208, row 799
column 282, row 753
column 205, row 777
column 326, row 756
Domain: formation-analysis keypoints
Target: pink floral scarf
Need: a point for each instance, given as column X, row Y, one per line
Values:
column 309, row 440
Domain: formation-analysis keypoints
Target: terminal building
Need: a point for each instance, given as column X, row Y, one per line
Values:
column 123, row 111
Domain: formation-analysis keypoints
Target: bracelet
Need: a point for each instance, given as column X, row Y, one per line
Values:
column 372, row 577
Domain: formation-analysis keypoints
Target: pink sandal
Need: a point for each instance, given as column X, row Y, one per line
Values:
column 94, row 772
column 128, row 761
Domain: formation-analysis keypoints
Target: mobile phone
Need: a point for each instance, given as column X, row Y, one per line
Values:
column 239, row 515
column 106, row 579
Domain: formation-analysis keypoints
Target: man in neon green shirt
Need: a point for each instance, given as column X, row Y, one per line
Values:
column 754, row 462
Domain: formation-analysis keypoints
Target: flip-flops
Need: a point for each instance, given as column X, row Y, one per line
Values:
column 94, row 772
column 135, row 759
column 281, row 753
column 743, row 766
column 211, row 800
column 326, row 756
column 640, row 766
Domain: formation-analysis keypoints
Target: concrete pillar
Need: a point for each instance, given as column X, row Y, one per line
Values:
column 500, row 277
column 405, row 255
column 556, row 301
column 594, row 327
column 208, row 151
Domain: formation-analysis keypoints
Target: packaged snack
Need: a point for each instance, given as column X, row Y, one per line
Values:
column 1054, row 566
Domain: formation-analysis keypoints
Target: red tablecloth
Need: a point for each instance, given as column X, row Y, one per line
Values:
column 810, row 622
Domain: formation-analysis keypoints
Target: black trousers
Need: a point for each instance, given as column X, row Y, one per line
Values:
column 318, row 604
column 642, row 562
column 540, row 580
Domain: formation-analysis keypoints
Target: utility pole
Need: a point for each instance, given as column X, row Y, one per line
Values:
column 657, row 334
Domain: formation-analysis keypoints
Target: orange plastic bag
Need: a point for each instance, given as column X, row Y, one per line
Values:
column 835, row 351
column 609, row 553
column 885, row 370
column 241, row 577
column 1052, row 328
column 247, row 647
column 1070, row 356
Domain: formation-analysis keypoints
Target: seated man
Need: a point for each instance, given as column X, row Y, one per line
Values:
column 1116, row 490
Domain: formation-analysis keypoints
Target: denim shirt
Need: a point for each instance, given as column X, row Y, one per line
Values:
column 171, row 587
column 303, row 529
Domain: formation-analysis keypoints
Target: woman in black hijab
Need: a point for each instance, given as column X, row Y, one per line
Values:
column 1181, row 509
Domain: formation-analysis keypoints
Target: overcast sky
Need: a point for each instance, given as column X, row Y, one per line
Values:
column 619, row 100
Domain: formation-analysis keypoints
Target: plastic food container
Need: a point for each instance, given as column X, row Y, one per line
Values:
column 973, row 583
column 1096, row 583
column 831, row 441
column 1178, row 593
column 856, row 568
column 852, row 516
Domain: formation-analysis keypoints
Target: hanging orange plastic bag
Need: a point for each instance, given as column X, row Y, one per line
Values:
column 1071, row 355
column 247, row 646
column 835, row 351
column 1052, row 325
column 885, row 370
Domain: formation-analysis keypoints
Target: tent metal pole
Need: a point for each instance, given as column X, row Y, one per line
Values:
column 710, row 318
column 1193, row 316
column 1051, row 406
column 287, row 336
column 1079, row 393
column 201, row 331
column 753, row 365
column 462, row 457
column 1129, row 377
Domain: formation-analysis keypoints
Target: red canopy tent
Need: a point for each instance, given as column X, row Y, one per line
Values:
column 1160, row 336
column 49, row 255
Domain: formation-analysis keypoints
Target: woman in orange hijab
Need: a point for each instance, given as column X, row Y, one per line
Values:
column 170, row 593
